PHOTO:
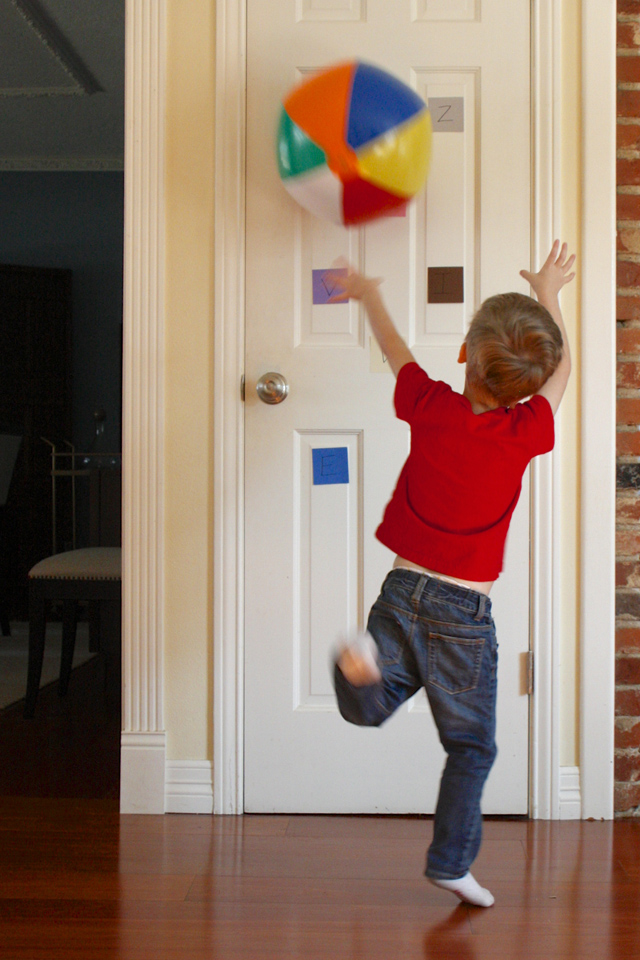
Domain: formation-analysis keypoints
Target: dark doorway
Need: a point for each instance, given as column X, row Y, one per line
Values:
column 61, row 251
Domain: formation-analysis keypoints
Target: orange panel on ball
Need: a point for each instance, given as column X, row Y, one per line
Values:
column 319, row 106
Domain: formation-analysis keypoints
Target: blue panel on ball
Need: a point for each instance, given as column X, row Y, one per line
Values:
column 378, row 103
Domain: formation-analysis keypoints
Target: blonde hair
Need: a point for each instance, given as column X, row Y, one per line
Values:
column 513, row 347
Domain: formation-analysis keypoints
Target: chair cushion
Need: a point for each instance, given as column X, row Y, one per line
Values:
column 90, row 563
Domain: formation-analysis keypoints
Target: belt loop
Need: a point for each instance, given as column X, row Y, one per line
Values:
column 417, row 593
column 481, row 607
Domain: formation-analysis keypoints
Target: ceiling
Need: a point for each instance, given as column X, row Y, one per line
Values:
column 61, row 84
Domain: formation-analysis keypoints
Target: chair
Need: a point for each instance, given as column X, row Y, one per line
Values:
column 91, row 574
column 9, row 447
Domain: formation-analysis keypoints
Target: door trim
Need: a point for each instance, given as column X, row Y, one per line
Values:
column 597, row 405
column 228, row 432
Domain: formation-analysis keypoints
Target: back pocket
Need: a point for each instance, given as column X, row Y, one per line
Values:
column 454, row 663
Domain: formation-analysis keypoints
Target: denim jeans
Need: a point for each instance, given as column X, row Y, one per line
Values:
column 440, row 636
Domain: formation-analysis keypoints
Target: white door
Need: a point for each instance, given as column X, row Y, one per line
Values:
column 313, row 567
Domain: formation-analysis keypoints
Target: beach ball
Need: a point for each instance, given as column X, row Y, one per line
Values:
column 354, row 143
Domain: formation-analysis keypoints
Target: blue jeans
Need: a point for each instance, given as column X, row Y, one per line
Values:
column 440, row 636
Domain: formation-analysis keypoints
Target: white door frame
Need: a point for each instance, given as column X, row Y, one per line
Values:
column 143, row 756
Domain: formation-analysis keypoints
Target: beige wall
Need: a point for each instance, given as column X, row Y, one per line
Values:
column 189, row 329
column 189, row 338
column 570, row 226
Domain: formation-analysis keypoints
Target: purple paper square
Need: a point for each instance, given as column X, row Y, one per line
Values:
column 325, row 288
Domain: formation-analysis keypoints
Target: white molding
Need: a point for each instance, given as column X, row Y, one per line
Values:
column 142, row 772
column 598, row 289
column 189, row 786
column 569, row 801
column 545, row 705
column 57, row 164
column 142, row 789
column 228, row 484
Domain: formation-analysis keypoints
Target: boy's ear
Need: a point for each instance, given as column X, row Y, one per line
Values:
column 462, row 356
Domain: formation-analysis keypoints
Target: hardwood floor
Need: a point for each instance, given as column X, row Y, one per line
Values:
column 71, row 748
column 79, row 881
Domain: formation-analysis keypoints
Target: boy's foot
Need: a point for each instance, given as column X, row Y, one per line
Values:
column 358, row 661
column 468, row 889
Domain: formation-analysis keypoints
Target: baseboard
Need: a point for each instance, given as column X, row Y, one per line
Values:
column 142, row 772
column 570, row 799
column 189, row 786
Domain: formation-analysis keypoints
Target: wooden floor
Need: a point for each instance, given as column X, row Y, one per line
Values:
column 71, row 748
column 78, row 881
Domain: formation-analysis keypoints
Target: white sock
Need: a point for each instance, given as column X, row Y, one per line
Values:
column 358, row 660
column 468, row 889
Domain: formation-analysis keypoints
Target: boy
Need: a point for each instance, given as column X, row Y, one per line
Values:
column 447, row 522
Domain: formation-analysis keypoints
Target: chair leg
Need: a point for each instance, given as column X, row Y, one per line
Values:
column 94, row 626
column 110, row 639
column 4, row 621
column 37, row 626
column 69, row 626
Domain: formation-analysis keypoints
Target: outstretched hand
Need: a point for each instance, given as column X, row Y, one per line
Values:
column 553, row 275
column 350, row 285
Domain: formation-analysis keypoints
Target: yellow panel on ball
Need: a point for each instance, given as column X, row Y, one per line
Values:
column 399, row 160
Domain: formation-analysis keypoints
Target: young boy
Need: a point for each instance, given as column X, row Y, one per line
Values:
column 447, row 522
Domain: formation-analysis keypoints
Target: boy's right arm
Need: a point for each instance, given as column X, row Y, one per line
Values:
column 356, row 287
column 547, row 284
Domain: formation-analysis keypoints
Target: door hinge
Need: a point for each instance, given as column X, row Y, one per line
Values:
column 242, row 390
column 530, row 673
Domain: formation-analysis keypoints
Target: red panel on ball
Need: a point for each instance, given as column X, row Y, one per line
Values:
column 363, row 201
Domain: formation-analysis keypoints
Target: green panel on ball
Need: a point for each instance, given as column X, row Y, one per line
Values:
column 296, row 152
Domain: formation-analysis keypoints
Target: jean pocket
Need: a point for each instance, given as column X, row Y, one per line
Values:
column 454, row 662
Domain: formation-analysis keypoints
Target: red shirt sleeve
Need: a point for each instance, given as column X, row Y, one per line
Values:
column 412, row 384
column 536, row 418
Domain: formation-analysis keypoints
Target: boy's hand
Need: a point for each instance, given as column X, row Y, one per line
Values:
column 547, row 284
column 553, row 275
column 353, row 285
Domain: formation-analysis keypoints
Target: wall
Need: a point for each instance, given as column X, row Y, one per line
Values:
column 75, row 220
column 627, row 763
column 189, row 330
column 568, row 419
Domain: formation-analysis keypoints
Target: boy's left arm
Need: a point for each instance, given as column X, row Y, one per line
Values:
column 547, row 284
column 356, row 287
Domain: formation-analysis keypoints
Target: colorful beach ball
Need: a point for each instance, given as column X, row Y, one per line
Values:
column 354, row 143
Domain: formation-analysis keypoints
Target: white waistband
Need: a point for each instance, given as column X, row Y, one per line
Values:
column 435, row 576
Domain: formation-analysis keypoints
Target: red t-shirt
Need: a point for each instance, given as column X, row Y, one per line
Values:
column 451, row 509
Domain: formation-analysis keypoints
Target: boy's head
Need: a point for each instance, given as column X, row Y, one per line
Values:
column 512, row 347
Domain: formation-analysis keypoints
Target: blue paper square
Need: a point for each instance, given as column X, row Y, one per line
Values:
column 324, row 288
column 330, row 465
